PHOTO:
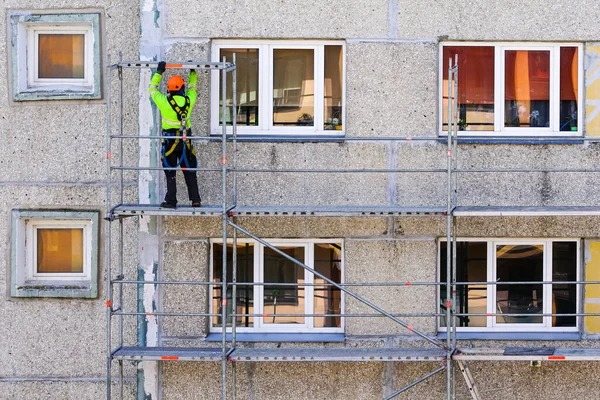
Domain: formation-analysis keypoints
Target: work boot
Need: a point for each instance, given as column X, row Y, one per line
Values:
column 164, row 204
column 196, row 203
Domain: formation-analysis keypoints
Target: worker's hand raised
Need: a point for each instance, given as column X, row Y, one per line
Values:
column 162, row 66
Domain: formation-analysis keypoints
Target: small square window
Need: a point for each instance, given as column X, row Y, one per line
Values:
column 55, row 56
column 54, row 254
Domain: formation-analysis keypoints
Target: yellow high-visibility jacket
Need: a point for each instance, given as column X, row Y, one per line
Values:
column 169, row 116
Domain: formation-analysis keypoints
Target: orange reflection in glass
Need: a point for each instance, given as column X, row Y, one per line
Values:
column 60, row 56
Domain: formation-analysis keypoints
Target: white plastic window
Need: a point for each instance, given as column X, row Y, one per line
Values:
column 514, row 89
column 283, row 88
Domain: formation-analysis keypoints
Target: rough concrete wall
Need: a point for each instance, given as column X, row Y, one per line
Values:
column 54, row 157
column 498, row 20
column 185, row 261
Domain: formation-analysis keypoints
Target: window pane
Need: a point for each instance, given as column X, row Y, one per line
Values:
column 564, row 296
column 475, row 87
column 61, row 56
column 283, row 299
column 527, row 88
column 244, row 293
column 247, row 86
column 471, row 262
column 293, row 87
column 333, row 87
column 519, row 263
column 59, row 250
column 569, row 84
column 327, row 299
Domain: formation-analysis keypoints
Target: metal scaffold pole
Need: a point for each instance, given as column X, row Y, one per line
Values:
column 224, row 233
column 449, row 166
column 107, row 255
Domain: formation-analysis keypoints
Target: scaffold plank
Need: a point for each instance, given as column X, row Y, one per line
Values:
column 507, row 211
column 337, row 355
column 559, row 354
column 134, row 353
column 125, row 210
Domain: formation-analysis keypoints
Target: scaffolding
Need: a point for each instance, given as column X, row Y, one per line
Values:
column 445, row 355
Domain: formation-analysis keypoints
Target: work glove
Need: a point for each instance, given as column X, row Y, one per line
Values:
column 192, row 69
column 162, row 66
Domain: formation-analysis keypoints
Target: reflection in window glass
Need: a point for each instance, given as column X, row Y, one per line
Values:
column 471, row 266
column 59, row 250
column 293, row 87
column 333, row 87
column 61, row 56
column 475, row 87
column 569, row 84
column 519, row 263
column 564, row 296
column 527, row 88
column 247, row 86
column 244, row 293
column 327, row 299
column 281, row 299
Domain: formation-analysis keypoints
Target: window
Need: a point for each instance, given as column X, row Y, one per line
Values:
column 283, row 88
column 515, row 265
column 55, row 56
column 275, row 294
column 54, row 254
column 515, row 89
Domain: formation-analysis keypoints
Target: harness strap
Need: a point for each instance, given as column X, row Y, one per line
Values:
column 181, row 113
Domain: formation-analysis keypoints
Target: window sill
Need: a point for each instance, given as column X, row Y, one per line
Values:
column 278, row 337
column 64, row 290
column 525, row 140
column 513, row 335
column 281, row 138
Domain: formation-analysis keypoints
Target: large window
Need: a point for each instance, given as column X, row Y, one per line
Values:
column 54, row 254
column 514, row 89
column 283, row 88
column 55, row 56
column 275, row 294
column 518, row 267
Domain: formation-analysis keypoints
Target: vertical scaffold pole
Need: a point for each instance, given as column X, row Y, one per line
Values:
column 224, row 227
column 448, row 238
column 121, row 189
column 108, row 227
column 234, row 201
column 453, row 204
column 234, row 127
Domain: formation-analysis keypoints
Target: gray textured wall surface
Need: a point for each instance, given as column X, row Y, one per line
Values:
column 54, row 157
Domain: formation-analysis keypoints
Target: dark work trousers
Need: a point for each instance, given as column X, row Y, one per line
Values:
column 179, row 153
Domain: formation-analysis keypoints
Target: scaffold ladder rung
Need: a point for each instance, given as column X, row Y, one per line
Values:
column 464, row 369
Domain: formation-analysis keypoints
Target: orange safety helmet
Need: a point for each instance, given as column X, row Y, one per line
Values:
column 175, row 83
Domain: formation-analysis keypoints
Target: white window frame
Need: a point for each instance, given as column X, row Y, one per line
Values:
column 265, row 85
column 259, row 324
column 31, row 228
column 33, row 33
column 492, row 325
column 26, row 280
column 499, row 79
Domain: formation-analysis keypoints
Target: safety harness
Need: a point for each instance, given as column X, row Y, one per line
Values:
column 182, row 113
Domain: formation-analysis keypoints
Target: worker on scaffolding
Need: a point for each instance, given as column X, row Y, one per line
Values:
column 175, row 109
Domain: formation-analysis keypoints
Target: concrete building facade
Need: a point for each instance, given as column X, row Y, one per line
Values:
column 341, row 164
